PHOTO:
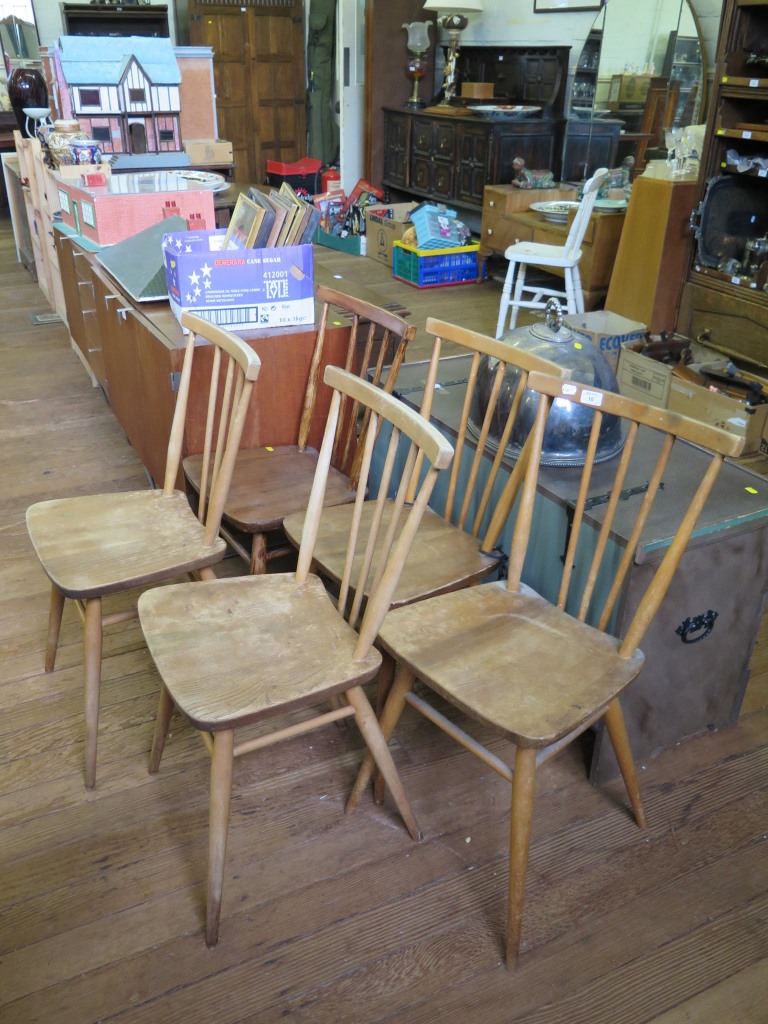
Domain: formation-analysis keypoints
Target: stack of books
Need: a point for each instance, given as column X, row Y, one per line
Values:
column 263, row 220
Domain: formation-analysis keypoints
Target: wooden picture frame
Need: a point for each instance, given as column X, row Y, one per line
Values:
column 565, row 6
column 243, row 224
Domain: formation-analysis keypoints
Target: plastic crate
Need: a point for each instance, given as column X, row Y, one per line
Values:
column 435, row 268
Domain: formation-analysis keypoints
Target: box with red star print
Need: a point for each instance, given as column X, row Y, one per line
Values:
column 240, row 289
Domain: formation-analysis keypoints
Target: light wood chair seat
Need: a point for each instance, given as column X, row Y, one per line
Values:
column 443, row 559
column 543, row 671
column 102, row 544
column 95, row 546
column 234, row 652
column 479, row 635
column 270, row 484
column 274, row 481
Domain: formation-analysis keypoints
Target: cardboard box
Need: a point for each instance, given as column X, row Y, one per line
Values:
column 240, row 289
column 355, row 245
column 477, row 90
column 208, row 151
column 381, row 231
column 719, row 410
column 608, row 331
column 645, row 380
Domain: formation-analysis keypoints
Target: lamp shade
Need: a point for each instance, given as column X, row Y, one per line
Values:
column 456, row 6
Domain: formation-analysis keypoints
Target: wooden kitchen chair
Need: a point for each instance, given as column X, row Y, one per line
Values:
column 92, row 547
column 565, row 257
column 531, row 668
column 458, row 537
column 271, row 482
column 236, row 652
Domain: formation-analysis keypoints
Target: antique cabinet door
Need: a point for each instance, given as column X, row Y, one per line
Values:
column 259, row 75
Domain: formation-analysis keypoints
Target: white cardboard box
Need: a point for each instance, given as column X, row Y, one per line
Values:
column 645, row 380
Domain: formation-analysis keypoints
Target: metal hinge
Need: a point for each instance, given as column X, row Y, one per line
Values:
column 175, row 380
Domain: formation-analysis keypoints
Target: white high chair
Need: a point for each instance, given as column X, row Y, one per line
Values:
column 538, row 254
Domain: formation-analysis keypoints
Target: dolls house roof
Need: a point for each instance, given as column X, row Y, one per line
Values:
column 86, row 60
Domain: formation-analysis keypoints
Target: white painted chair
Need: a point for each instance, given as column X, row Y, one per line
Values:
column 521, row 255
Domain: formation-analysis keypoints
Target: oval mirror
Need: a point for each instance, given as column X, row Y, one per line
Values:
column 642, row 70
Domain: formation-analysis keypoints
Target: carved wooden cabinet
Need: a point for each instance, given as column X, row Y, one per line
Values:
column 452, row 158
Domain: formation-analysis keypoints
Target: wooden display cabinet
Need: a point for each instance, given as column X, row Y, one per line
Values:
column 724, row 306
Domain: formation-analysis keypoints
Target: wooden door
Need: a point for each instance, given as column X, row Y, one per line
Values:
column 259, row 78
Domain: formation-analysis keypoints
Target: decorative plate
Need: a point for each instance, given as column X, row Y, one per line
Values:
column 504, row 113
column 555, row 212
column 611, row 205
column 215, row 182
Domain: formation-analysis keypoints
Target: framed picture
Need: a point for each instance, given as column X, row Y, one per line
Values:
column 557, row 6
column 243, row 224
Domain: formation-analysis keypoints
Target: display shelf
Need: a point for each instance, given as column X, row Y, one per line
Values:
column 725, row 293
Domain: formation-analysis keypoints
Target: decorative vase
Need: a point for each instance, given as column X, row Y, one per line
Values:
column 26, row 88
column 60, row 142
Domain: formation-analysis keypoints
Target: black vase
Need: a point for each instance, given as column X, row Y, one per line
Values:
column 26, row 88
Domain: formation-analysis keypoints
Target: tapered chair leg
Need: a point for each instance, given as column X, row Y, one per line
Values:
column 54, row 627
column 92, row 645
column 617, row 730
column 162, row 725
column 523, row 792
column 506, row 292
column 218, row 824
column 519, row 285
column 369, row 727
column 383, row 686
column 571, row 304
column 388, row 720
column 258, row 564
column 577, row 289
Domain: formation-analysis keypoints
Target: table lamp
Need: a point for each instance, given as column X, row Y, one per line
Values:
column 453, row 19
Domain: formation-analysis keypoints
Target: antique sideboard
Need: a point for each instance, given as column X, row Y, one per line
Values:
column 450, row 155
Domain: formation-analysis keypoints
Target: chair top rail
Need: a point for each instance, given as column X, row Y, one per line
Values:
column 240, row 350
column 694, row 431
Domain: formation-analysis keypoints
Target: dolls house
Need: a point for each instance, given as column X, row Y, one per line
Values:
column 125, row 91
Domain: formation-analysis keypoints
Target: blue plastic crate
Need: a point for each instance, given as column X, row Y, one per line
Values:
column 435, row 268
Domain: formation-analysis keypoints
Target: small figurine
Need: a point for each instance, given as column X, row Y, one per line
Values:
column 523, row 178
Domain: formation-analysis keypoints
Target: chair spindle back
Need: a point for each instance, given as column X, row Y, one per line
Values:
column 588, row 537
column 401, row 521
column 226, row 410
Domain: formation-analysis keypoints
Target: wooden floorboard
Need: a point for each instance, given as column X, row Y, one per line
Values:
column 331, row 918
